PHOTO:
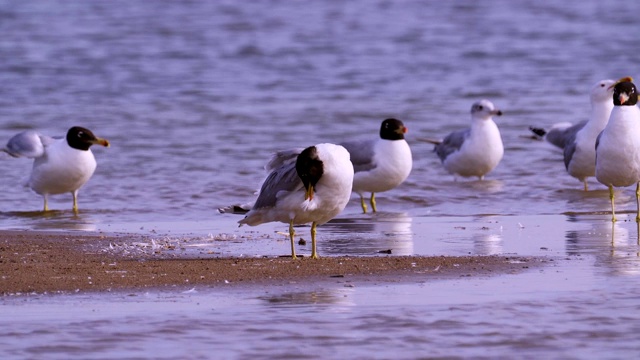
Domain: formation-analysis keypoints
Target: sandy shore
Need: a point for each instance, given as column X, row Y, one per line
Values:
column 58, row 262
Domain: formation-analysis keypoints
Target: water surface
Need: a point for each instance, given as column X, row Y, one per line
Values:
column 194, row 96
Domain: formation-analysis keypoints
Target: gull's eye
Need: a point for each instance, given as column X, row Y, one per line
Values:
column 480, row 107
column 80, row 134
column 602, row 85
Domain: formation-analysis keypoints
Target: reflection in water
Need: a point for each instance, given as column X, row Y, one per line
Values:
column 370, row 234
column 51, row 220
column 488, row 244
column 615, row 245
column 488, row 186
column 337, row 296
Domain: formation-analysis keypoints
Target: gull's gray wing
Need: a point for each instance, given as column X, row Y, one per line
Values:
column 569, row 149
column 598, row 140
column 562, row 137
column 282, row 157
column 284, row 178
column 361, row 152
column 453, row 142
column 28, row 144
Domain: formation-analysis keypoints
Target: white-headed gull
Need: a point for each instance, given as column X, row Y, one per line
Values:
column 474, row 151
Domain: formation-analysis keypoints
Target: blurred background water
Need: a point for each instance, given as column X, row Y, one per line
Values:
column 195, row 95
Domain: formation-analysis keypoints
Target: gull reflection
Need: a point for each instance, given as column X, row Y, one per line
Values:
column 488, row 244
column 378, row 233
column 338, row 296
column 615, row 245
column 54, row 220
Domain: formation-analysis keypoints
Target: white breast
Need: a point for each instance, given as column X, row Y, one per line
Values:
column 393, row 166
column 618, row 153
column 480, row 153
column 62, row 169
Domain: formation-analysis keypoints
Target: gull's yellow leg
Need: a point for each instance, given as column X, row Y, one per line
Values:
column 75, row 201
column 363, row 204
column 586, row 186
column 611, row 197
column 638, row 202
column 292, row 234
column 373, row 202
column 46, row 204
column 314, row 253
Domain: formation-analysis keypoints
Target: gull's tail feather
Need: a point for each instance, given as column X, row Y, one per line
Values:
column 236, row 209
column 538, row 131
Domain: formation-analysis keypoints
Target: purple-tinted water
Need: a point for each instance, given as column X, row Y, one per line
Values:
column 194, row 96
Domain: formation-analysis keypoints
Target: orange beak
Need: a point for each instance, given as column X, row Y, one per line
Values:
column 623, row 98
column 103, row 142
column 308, row 194
column 402, row 130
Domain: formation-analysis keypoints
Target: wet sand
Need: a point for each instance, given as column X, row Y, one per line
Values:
column 35, row 262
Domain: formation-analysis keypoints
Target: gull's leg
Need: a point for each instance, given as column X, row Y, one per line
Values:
column 292, row 234
column 46, row 204
column 586, row 186
column 373, row 202
column 363, row 204
column 611, row 197
column 75, row 201
column 638, row 202
column 314, row 253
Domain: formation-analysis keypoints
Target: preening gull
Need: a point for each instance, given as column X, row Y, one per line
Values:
column 312, row 189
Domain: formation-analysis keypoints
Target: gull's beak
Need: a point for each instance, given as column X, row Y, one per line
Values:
column 101, row 141
column 496, row 112
column 623, row 98
column 402, row 130
column 308, row 194
column 621, row 80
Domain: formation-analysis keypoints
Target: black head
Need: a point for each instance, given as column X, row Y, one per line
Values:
column 82, row 139
column 625, row 94
column 310, row 169
column 392, row 129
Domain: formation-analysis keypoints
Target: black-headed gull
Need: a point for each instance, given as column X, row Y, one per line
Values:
column 618, row 145
column 380, row 164
column 578, row 141
column 60, row 165
column 312, row 189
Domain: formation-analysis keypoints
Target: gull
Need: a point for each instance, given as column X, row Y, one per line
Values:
column 380, row 164
column 312, row 189
column 578, row 141
column 476, row 150
column 60, row 165
column 618, row 145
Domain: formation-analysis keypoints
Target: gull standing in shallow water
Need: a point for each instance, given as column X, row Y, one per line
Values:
column 476, row 150
column 618, row 145
column 60, row 165
column 380, row 164
column 578, row 141
column 312, row 189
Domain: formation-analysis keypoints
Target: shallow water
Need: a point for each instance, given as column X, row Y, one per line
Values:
column 194, row 96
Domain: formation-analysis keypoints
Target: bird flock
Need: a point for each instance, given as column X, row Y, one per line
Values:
column 314, row 184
